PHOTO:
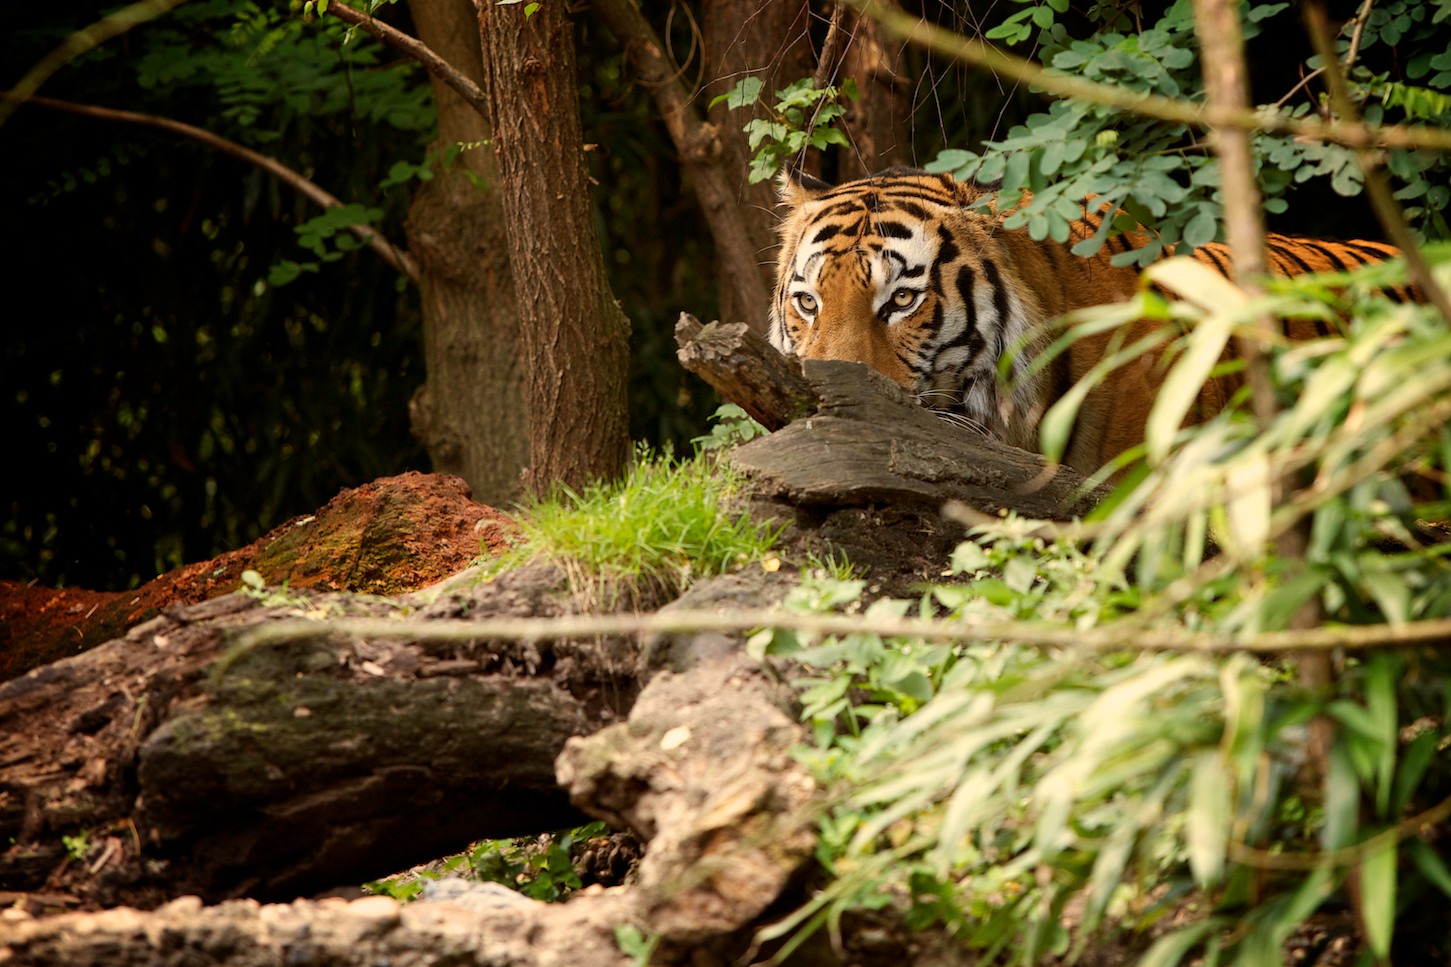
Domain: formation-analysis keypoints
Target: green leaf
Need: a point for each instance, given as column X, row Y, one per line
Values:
column 1378, row 899
column 1342, row 800
column 745, row 93
column 1170, row 949
column 1432, row 867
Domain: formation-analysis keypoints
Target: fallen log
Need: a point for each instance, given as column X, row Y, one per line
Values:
column 172, row 761
column 847, row 436
column 702, row 770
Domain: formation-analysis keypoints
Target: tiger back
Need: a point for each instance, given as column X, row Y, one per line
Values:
column 898, row 271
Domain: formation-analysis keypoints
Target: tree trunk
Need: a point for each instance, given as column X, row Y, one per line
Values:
column 766, row 38
column 471, row 413
column 574, row 336
column 877, row 121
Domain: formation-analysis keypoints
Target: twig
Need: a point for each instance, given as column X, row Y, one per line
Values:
column 419, row 51
column 979, row 54
column 397, row 258
column 1347, row 855
column 1382, row 201
column 1106, row 638
column 1350, row 55
column 826, row 61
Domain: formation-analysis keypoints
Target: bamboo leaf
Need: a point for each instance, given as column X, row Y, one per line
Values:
column 1209, row 817
column 1249, row 504
column 1432, row 867
column 1378, row 899
column 1184, row 383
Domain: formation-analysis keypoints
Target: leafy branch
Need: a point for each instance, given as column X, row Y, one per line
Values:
column 802, row 117
column 88, row 38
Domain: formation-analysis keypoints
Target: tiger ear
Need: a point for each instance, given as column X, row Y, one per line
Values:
column 795, row 187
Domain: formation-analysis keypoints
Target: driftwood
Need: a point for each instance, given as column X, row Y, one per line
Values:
column 848, row 436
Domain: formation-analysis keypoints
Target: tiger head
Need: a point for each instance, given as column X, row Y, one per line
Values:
column 898, row 272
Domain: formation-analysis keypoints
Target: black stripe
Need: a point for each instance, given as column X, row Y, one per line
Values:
column 1000, row 297
column 1277, row 246
column 1329, row 252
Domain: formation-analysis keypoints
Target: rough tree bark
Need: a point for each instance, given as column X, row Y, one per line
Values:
column 574, row 336
column 471, row 413
column 767, row 39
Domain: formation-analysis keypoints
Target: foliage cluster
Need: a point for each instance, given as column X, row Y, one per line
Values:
column 996, row 786
column 1164, row 177
column 540, row 867
column 802, row 117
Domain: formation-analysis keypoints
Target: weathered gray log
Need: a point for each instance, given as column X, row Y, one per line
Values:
column 177, row 763
column 868, row 442
column 744, row 369
column 846, row 436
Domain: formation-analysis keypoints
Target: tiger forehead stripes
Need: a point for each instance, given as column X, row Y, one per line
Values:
column 898, row 272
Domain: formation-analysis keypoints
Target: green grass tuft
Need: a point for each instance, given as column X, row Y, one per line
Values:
column 648, row 536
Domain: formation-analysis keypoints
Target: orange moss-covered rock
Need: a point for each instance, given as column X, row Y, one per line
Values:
column 391, row 536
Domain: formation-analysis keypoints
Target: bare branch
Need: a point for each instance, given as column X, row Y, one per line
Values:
column 1382, row 201
column 397, row 258
column 699, row 155
column 419, row 51
column 1106, row 638
column 979, row 54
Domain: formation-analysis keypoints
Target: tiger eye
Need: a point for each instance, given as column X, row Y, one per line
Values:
column 903, row 298
column 806, row 301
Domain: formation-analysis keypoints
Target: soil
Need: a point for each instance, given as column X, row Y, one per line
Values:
column 387, row 537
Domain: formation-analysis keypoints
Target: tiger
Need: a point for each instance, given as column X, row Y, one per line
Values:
column 899, row 271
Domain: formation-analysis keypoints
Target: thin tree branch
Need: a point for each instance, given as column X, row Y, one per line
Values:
column 1416, row 825
column 397, row 258
column 979, row 54
column 1106, row 638
column 1382, row 201
column 699, row 154
column 830, row 50
column 419, row 51
column 1226, row 88
column 112, row 25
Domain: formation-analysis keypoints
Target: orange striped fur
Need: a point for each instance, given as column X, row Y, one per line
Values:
column 896, row 271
